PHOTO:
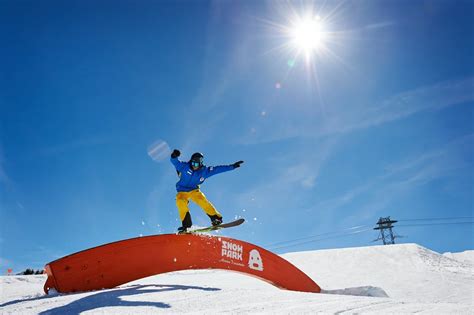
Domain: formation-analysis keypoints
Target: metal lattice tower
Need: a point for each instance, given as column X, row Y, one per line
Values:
column 386, row 233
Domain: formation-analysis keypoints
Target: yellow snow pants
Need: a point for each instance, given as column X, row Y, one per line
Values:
column 182, row 201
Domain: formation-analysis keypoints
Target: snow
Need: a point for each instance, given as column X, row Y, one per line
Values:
column 379, row 279
column 408, row 272
column 466, row 256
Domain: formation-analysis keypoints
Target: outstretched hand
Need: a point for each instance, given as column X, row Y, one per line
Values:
column 237, row 164
column 175, row 154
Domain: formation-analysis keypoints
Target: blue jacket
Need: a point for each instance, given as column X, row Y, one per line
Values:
column 190, row 179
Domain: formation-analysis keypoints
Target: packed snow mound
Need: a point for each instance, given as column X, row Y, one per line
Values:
column 28, row 286
column 360, row 291
column 466, row 256
column 395, row 279
column 405, row 271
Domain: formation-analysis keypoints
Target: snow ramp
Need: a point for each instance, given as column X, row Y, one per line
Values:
column 117, row 263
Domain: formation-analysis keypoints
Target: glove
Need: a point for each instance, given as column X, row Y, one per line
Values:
column 175, row 154
column 237, row 164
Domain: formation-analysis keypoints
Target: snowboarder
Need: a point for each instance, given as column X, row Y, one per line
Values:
column 192, row 174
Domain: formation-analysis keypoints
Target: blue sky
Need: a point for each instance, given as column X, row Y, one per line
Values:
column 377, row 122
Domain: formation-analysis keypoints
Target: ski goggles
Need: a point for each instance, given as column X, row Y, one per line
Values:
column 196, row 163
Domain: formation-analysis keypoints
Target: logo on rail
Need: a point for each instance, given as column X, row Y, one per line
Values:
column 236, row 252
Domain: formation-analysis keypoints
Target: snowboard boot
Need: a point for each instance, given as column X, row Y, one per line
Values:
column 182, row 230
column 215, row 220
column 186, row 224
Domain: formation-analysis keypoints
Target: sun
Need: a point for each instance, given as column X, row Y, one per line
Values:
column 307, row 34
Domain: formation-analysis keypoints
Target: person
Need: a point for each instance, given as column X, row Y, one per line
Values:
column 191, row 175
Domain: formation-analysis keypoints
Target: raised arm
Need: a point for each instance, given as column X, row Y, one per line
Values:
column 214, row 170
column 177, row 163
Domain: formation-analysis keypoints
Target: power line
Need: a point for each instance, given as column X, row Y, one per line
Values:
column 322, row 239
column 360, row 229
column 317, row 235
column 437, row 219
column 441, row 223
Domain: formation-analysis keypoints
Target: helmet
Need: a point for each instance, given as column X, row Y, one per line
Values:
column 197, row 160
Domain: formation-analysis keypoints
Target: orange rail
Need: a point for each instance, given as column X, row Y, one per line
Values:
column 113, row 264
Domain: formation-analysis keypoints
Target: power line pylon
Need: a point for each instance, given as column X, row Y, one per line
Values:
column 386, row 233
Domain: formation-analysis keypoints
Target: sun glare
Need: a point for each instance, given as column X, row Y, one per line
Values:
column 307, row 34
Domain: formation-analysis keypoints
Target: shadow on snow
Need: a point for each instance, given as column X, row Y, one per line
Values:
column 111, row 298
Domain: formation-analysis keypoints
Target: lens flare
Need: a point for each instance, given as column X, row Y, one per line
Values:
column 159, row 150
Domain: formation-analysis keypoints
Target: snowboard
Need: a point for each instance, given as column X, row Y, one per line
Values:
column 216, row 227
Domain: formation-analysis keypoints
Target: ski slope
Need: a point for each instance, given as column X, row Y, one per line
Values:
column 379, row 279
column 466, row 256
